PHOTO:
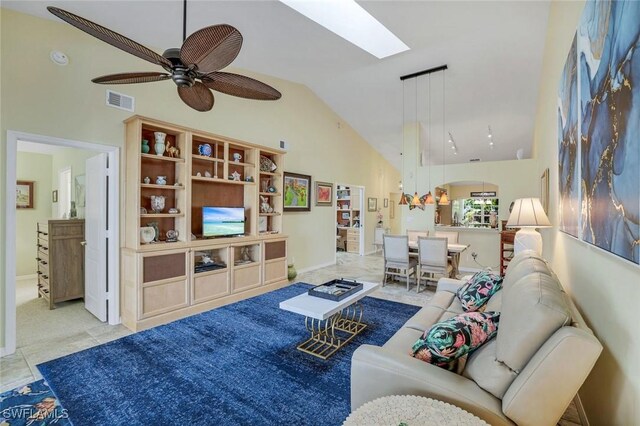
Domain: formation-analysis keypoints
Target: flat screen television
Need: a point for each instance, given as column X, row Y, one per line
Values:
column 222, row 221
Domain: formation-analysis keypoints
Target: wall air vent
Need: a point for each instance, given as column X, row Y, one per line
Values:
column 120, row 101
column 474, row 160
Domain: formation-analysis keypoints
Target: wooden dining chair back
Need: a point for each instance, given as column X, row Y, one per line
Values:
column 432, row 259
column 395, row 249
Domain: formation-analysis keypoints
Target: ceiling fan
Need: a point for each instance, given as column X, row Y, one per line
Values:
column 194, row 67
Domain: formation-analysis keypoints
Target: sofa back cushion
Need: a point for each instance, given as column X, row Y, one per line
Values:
column 524, row 267
column 532, row 310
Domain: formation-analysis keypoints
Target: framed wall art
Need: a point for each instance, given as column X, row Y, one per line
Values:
column 598, row 145
column 296, row 192
column 324, row 194
column 372, row 204
column 24, row 194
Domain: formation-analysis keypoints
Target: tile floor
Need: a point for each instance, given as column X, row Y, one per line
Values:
column 75, row 329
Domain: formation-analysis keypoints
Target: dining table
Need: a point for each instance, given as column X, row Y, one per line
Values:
column 454, row 250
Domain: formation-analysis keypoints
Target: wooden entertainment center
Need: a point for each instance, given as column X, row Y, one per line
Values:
column 165, row 280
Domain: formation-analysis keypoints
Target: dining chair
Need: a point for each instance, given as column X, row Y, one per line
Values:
column 432, row 259
column 396, row 258
column 452, row 238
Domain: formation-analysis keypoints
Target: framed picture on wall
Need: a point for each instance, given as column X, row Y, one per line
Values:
column 54, row 196
column 372, row 204
column 324, row 194
column 392, row 211
column 386, row 202
column 24, row 194
column 80, row 190
column 296, row 192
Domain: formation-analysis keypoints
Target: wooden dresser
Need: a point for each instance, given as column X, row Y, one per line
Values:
column 60, row 257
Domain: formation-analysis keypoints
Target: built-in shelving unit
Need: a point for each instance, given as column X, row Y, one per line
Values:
column 348, row 217
column 165, row 279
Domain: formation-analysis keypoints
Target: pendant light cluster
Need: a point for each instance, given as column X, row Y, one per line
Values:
column 416, row 201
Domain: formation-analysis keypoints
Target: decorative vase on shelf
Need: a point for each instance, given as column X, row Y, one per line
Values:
column 145, row 146
column 291, row 272
column 157, row 203
column 159, row 146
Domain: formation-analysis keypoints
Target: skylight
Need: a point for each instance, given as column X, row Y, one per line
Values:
column 350, row 21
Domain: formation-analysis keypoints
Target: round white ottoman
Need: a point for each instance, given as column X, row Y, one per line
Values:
column 410, row 410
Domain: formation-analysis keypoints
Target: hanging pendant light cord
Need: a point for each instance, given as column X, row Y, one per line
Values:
column 444, row 123
column 417, row 138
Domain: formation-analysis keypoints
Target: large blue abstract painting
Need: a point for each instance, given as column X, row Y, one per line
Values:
column 608, row 149
column 568, row 165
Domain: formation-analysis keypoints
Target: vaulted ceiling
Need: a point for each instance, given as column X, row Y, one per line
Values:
column 493, row 50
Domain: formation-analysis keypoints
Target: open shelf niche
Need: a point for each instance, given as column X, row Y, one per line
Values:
column 270, row 192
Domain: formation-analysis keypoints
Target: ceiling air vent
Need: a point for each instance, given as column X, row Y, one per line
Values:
column 474, row 160
column 120, row 101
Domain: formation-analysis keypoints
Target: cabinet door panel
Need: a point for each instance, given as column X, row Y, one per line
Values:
column 161, row 298
column 274, row 271
column 246, row 278
column 210, row 286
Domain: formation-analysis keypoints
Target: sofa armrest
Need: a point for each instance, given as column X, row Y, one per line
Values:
column 378, row 372
column 449, row 284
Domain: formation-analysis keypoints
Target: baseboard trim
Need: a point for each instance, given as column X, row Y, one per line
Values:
column 26, row 277
column 314, row 267
column 580, row 409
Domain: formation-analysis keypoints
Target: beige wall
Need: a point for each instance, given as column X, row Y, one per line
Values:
column 37, row 168
column 66, row 104
column 605, row 288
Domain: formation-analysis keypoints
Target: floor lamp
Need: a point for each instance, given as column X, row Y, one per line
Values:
column 528, row 214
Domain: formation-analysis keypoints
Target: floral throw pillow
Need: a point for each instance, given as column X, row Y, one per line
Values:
column 456, row 337
column 476, row 292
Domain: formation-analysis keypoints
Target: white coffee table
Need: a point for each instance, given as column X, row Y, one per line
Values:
column 331, row 324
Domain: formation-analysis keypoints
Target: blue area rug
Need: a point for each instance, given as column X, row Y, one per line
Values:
column 237, row 364
column 32, row 405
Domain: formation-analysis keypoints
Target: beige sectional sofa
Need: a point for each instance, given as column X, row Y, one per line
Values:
column 527, row 375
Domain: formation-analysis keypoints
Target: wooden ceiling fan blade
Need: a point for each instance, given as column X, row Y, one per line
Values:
column 132, row 77
column 111, row 37
column 211, row 48
column 198, row 97
column 241, row 86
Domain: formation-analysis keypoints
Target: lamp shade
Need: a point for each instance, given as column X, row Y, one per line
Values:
column 428, row 198
column 528, row 213
column 444, row 200
column 415, row 200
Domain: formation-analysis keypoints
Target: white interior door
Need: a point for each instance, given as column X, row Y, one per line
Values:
column 96, row 232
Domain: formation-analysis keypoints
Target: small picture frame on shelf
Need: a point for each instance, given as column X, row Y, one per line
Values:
column 324, row 194
column 345, row 215
column 372, row 204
